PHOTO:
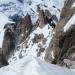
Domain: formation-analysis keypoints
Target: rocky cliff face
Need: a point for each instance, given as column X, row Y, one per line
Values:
column 42, row 19
column 66, row 49
column 23, row 28
column 9, row 40
column 67, row 44
column 15, row 34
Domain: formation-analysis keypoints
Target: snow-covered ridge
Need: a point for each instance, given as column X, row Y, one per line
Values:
column 33, row 66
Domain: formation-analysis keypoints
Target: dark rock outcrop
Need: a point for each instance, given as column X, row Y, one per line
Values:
column 9, row 40
column 66, row 48
column 67, row 43
column 21, row 1
column 15, row 17
column 42, row 19
column 37, row 38
column 46, row 17
column 23, row 28
column 3, row 61
column 15, row 33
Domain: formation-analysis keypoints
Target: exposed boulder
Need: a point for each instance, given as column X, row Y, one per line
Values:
column 38, row 38
column 40, row 50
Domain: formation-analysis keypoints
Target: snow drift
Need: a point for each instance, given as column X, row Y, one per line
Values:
column 33, row 66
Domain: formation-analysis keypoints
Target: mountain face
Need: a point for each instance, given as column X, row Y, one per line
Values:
column 17, row 9
column 34, row 32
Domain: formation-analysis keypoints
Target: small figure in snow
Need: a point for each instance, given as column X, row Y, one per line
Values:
column 51, row 18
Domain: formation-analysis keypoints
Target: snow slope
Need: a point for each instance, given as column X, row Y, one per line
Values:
column 46, row 31
column 33, row 48
column 33, row 66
